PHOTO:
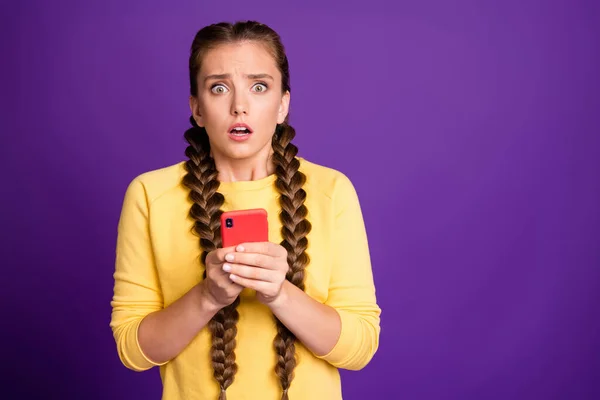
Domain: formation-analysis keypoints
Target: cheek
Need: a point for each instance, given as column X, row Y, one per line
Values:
column 213, row 111
column 269, row 116
column 271, row 108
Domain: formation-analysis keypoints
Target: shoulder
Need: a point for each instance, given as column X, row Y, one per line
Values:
column 155, row 183
column 328, row 181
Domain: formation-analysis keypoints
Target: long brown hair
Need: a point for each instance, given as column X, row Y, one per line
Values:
column 202, row 181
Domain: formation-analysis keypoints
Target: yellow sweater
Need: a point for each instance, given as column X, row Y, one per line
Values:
column 157, row 262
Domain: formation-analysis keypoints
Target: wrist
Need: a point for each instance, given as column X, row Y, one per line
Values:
column 283, row 298
column 206, row 301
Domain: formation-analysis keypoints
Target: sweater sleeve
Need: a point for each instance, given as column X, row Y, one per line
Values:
column 352, row 290
column 136, row 288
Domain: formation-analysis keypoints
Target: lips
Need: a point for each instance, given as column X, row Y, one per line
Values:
column 240, row 129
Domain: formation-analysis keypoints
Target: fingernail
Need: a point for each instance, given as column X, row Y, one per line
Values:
column 240, row 248
column 226, row 267
column 229, row 257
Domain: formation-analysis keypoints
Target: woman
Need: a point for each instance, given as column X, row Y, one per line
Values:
column 271, row 320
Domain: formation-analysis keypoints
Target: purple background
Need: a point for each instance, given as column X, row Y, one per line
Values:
column 470, row 131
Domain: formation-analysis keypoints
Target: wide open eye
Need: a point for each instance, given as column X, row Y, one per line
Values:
column 219, row 89
column 260, row 87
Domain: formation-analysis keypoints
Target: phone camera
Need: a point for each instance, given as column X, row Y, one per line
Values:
column 229, row 222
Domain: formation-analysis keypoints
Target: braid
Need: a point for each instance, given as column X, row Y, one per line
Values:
column 295, row 228
column 202, row 180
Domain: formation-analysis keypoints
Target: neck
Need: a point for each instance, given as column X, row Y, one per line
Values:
column 250, row 169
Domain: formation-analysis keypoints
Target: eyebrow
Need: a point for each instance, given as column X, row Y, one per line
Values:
column 228, row 76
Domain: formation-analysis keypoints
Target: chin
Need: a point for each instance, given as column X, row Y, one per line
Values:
column 240, row 152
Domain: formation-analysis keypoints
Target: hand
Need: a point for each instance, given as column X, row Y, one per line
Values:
column 219, row 289
column 259, row 266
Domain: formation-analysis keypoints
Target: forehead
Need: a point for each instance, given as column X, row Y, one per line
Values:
column 244, row 57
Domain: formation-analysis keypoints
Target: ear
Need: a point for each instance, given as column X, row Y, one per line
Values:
column 284, row 108
column 195, row 109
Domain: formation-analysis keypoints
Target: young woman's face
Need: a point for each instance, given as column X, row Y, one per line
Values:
column 239, row 84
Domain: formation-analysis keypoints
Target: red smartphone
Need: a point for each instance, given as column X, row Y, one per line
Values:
column 243, row 226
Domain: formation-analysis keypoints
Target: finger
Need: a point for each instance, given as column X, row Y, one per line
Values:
column 218, row 256
column 234, row 286
column 252, row 259
column 249, row 272
column 259, row 286
column 268, row 248
column 218, row 274
column 225, row 283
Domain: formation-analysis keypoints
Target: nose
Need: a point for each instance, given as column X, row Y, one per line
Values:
column 239, row 106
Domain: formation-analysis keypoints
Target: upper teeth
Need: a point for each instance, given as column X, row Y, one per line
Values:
column 239, row 129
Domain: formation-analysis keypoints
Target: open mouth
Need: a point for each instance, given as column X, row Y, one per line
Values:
column 240, row 131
